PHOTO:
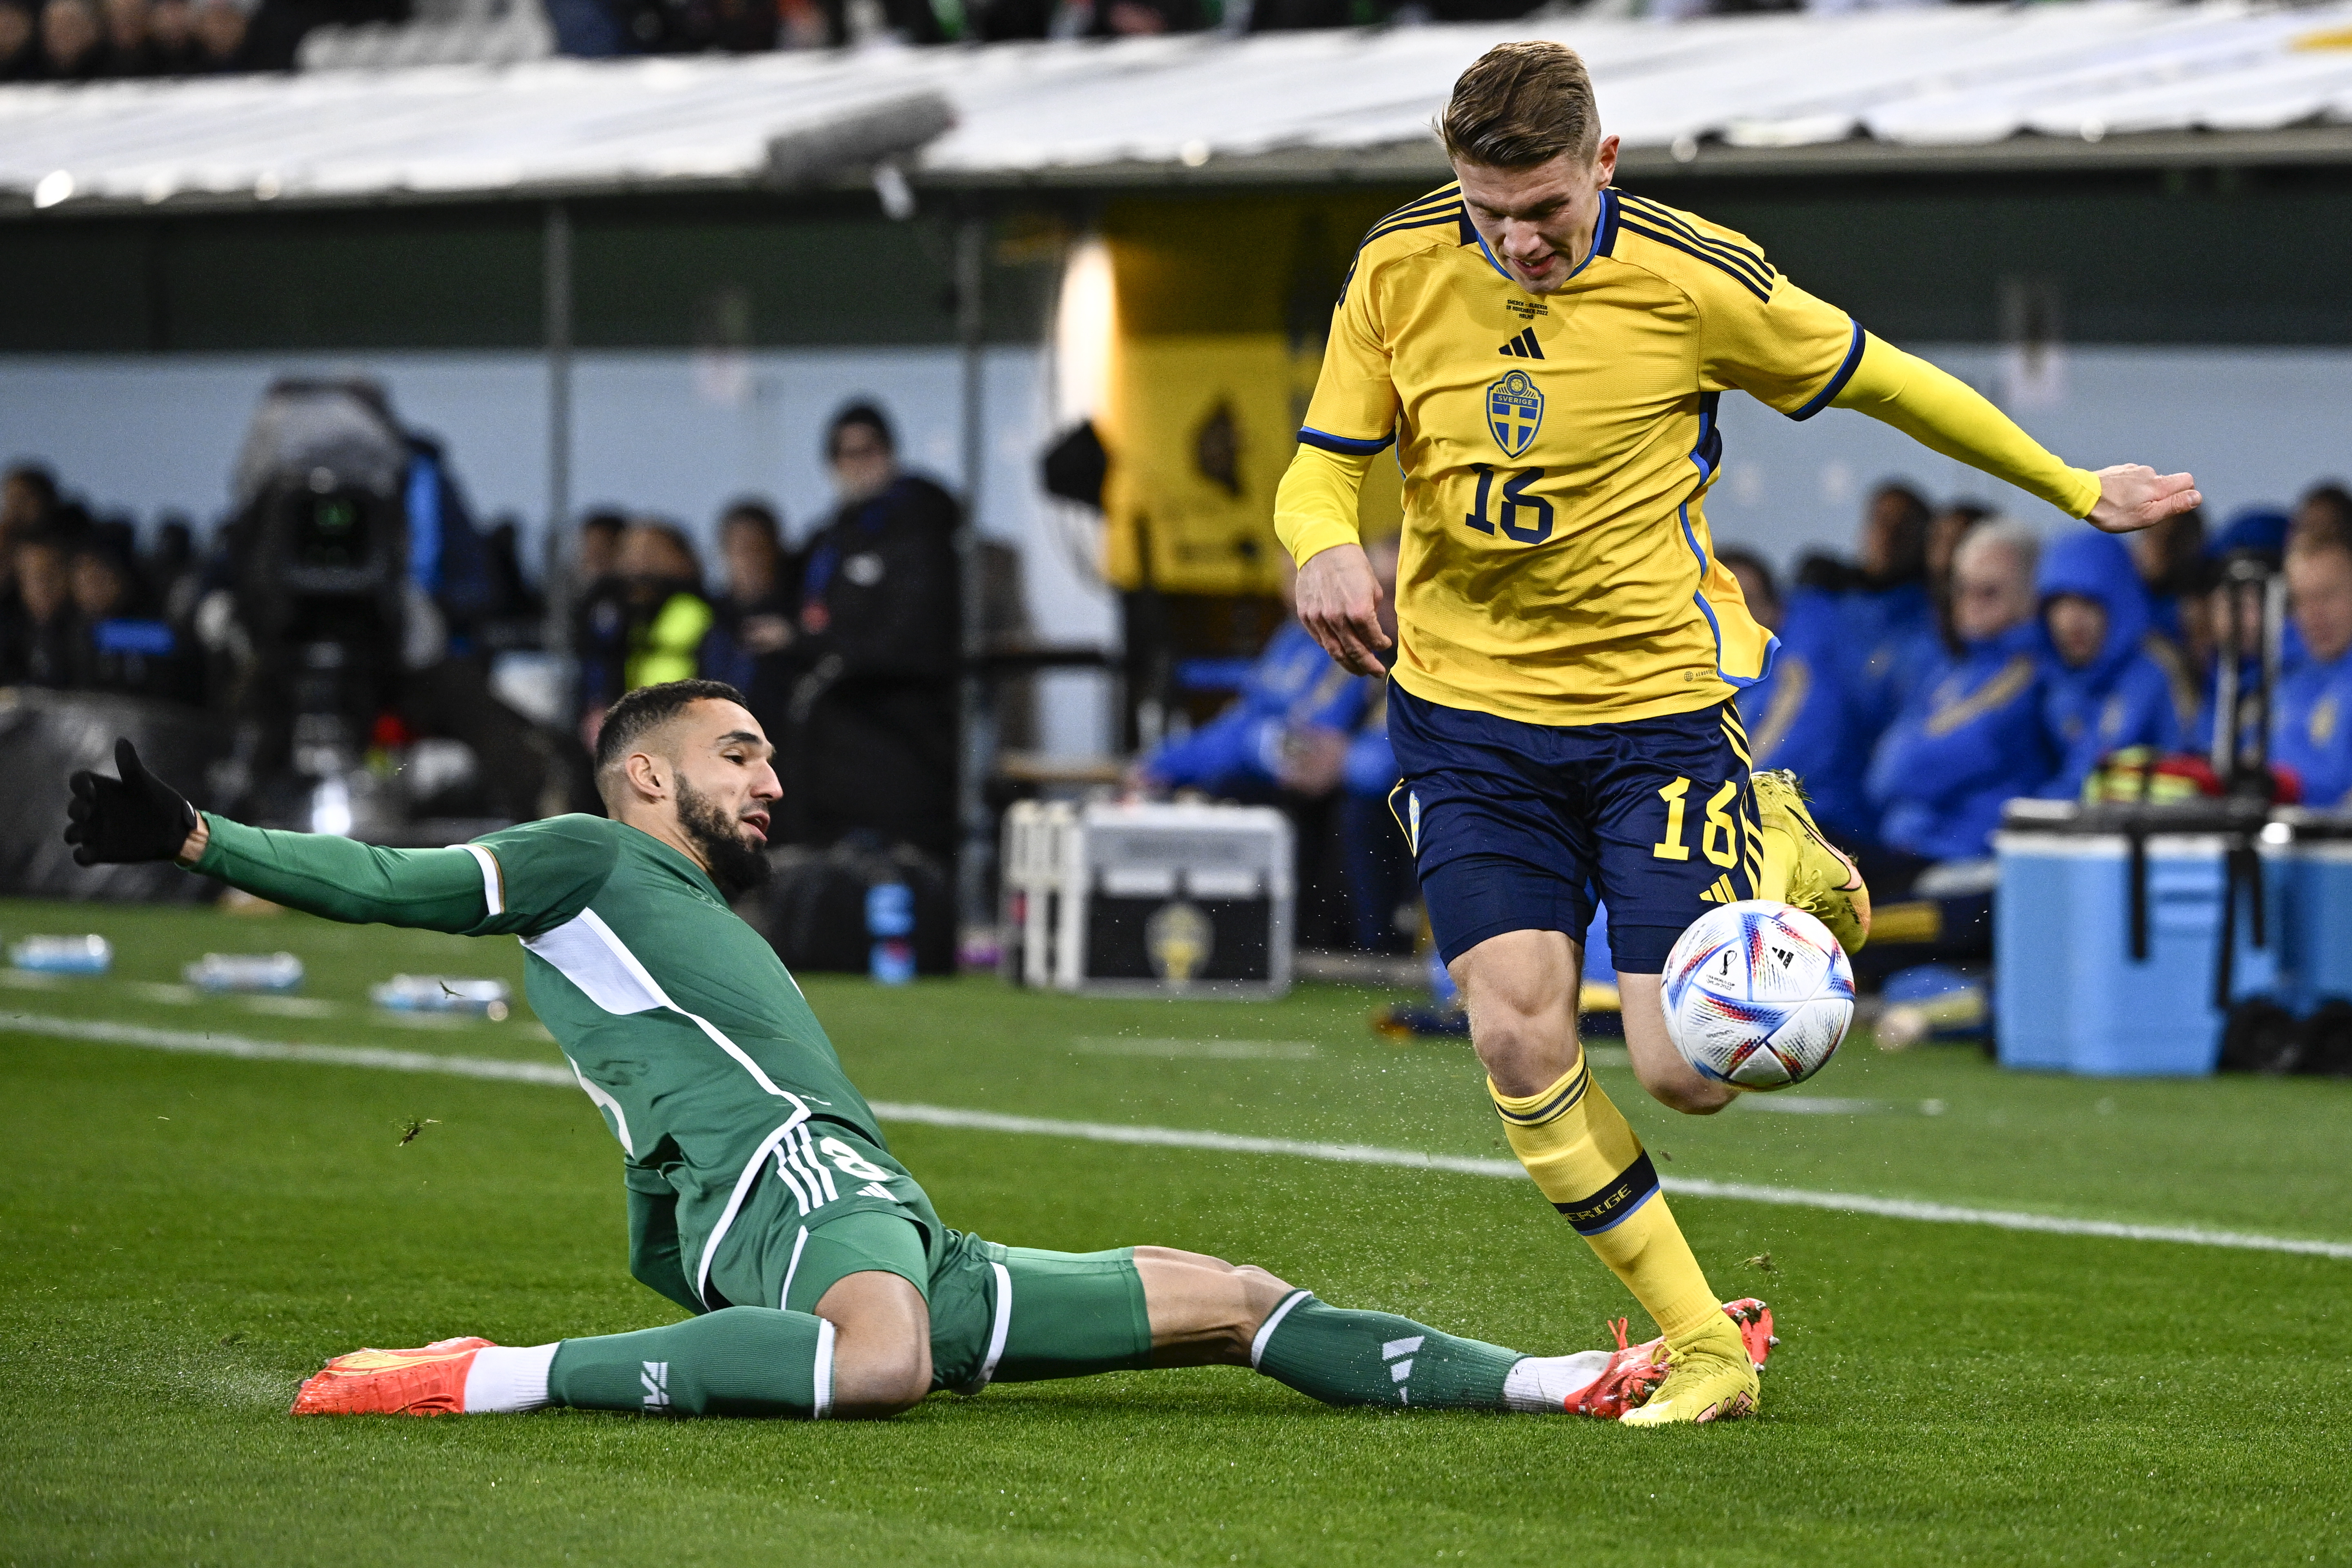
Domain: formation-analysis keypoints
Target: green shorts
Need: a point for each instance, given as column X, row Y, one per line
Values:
column 999, row 1314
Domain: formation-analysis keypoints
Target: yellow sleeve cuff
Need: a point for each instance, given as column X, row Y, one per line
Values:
column 1946, row 414
column 1315, row 509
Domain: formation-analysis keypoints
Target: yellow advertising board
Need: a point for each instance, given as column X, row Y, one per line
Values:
column 1222, row 311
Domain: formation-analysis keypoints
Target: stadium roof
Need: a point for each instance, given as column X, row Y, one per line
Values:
column 1951, row 85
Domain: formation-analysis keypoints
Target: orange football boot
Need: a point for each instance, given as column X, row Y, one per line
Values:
column 427, row 1382
column 1634, row 1373
column 1624, row 1383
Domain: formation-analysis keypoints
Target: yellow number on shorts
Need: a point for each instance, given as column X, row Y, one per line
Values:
column 1674, row 849
column 1718, row 826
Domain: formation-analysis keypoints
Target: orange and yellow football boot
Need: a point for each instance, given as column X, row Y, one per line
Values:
column 427, row 1382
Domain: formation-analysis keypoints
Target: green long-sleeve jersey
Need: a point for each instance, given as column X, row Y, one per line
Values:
column 677, row 1017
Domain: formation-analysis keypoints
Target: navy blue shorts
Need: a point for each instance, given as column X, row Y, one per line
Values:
column 1518, row 827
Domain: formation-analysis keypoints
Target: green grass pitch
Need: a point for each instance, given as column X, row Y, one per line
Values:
column 187, row 1235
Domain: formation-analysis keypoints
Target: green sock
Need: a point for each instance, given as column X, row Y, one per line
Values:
column 741, row 1361
column 1378, row 1358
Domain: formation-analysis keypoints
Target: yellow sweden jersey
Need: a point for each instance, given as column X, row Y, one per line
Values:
column 1557, row 568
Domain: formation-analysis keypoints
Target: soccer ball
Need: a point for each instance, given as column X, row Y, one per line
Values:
column 1758, row 994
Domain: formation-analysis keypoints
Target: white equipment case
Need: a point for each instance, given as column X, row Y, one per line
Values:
column 1148, row 900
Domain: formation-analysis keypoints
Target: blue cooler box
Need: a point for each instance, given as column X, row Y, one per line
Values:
column 2069, row 998
column 2318, row 954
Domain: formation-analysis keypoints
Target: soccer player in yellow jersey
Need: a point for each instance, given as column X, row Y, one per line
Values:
column 1548, row 352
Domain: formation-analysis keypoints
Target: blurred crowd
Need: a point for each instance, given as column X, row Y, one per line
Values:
column 91, row 40
column 1959, row 660
column 86, row 40
column 1964, row 660
column 846, row 648
column 849, row 647
column 85, row 607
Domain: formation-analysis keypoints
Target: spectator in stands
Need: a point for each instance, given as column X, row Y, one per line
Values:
column 1971, row 737
column 2324, row 511
column 2312, row 730
column 594, row 555
column 754, row 614
column 1287, row 728
column 40, row 634
column 642, row 621
column 668, row 617
column 130, row 43
column 172, row 35
column 2108, row 681
column 1888, row 617
column 28, row 494
column 874, row 721
column 29, row 503
column 124, row 647
column 20, row 43
column 1865, row 634
column 1945, row 531
column 220, row 35
column 73, row 47
column 1767, row 708
column 2170, row 558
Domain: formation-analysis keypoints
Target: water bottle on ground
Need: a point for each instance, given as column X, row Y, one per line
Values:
column 63, row 955
column 265, row 972
column 890, row 925
column 442, row 994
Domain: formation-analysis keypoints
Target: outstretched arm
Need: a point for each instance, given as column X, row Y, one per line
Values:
column 1946, row 414
column 434, row 889
column 520, row 880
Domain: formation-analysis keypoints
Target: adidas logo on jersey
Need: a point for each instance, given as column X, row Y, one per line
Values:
column 1524, row 346
column 1399, row 1353
column 655, row 1379
column 1720, row 893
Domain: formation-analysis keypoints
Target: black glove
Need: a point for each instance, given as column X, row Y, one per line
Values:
column 139, row 817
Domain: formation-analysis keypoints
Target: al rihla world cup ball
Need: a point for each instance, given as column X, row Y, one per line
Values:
column 1757, row 994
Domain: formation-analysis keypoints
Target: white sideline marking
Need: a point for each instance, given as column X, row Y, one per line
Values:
column 1789, row 1104
column 217, row 1044
column 1210, row 1050
column 207, row 1044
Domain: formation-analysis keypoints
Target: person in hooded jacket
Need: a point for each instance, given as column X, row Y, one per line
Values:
column 1971, row 737
column 2109, row 682
column 2311, row 727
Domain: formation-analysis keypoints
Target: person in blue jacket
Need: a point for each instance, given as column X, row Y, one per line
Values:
column 1287, row 728
column 2108, row 680
column 2311, row 727
column 1887, row 627
column 1853, row 640
column 1971, row 737
column 2258, row 532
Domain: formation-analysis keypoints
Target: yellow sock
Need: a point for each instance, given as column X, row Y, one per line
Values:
column 1585, row 1158
column 1776, row 865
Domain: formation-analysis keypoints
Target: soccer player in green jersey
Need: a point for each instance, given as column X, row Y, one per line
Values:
column 762, row 1196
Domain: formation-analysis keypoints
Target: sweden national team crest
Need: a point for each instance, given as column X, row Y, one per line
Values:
column 1514, row 411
